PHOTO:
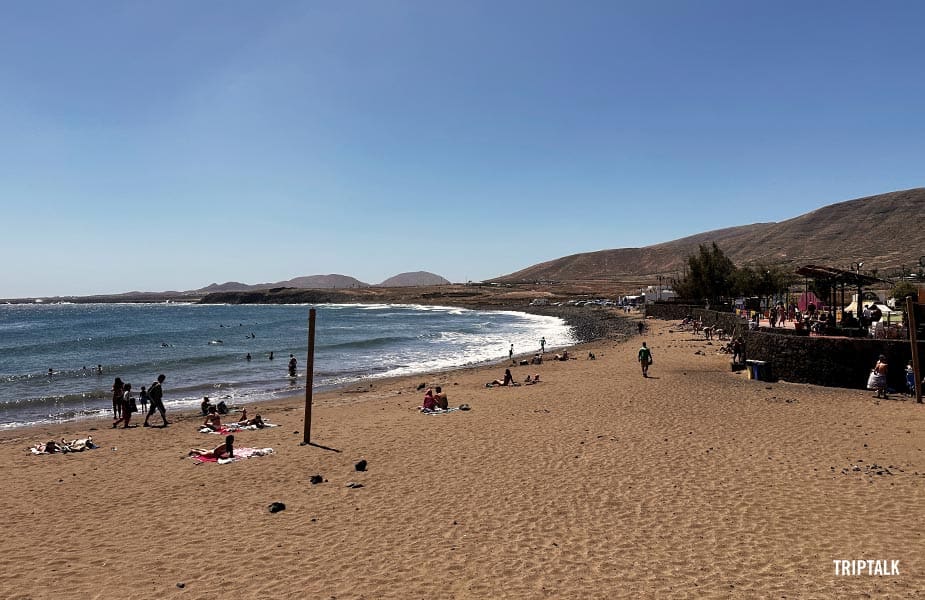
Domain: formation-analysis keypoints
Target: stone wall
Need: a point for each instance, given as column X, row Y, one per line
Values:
column 728, row 322
column 828, row 361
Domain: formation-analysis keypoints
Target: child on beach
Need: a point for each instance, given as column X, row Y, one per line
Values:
column 143, row 398
column 910, row 379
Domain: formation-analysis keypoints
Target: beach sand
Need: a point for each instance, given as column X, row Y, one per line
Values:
column 596, row 483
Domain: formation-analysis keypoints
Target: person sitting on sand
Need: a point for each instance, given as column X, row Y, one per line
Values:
column 430, row 402
column 441, row 399
column 205, row 405
column 508, row 380
column 563, row 356
column 213, row 420
column 225, row 450
column 537, row 359
column 531, row 381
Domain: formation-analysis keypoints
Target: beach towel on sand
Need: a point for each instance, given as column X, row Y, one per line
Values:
column 436, row 411
column 231, row 428
column 239, row 454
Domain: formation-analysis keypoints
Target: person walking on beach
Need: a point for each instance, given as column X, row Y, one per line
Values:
column 644, row 357
column 156, row 392
column 117, row 391
column 128, row 403
column 543, row 344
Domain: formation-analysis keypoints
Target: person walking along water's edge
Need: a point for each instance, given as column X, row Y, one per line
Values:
column 156, row 394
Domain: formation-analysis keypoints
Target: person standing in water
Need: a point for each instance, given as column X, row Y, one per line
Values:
column 292, row 365
column 510, row 353
column 543, row 344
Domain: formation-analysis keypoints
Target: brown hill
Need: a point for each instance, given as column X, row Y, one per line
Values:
column 417, row 278
column 885, row 232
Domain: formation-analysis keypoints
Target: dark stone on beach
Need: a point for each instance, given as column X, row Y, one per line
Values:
column 181, row 585
column 422, row 386
column 316, row 479
column 360, row 466
column 275, row 507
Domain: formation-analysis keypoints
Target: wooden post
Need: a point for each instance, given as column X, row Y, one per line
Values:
column 913, row 339
column 309, row 378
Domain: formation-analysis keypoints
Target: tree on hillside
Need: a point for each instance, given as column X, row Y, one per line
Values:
column 709, row 275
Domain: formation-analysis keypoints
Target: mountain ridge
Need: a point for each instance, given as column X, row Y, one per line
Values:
column 885, row 231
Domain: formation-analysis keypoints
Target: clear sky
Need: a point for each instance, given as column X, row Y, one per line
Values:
column 172, row 144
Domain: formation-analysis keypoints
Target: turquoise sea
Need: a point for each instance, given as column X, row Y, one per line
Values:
column 202, row 349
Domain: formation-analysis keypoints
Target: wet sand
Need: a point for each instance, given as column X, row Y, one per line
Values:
column 596, row 483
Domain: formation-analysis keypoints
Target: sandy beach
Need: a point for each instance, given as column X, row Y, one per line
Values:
column 595, row 483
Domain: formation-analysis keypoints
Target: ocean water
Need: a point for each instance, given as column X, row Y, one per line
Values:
column 202, row 350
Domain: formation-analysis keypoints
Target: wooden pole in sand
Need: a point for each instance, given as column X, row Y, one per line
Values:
column 913, row 339
column 309, row 378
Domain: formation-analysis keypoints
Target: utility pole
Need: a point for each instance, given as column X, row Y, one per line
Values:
column 309, row 379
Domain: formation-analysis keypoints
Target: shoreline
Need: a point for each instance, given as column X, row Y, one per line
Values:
column 585, row 325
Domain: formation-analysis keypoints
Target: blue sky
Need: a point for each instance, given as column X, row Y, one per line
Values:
column 169, row 145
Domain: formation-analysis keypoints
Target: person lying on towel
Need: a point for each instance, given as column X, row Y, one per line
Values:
column 225, row 450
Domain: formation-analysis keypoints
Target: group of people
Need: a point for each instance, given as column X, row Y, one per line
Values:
column 878, row 378
column 213, row 419
column 434, row 400
column 124, row 404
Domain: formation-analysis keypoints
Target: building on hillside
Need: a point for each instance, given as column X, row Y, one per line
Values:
column 658, row 294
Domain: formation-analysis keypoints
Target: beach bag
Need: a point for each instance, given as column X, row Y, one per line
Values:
column 873, row 381
column 132, row 405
